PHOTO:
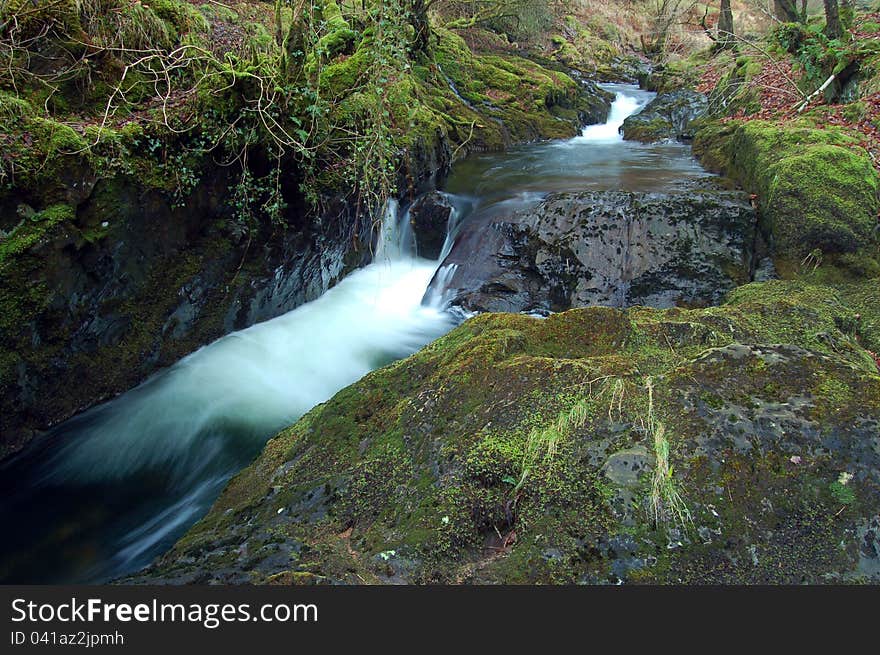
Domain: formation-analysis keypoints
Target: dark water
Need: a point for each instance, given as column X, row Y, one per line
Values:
column 108, row 491
column 598, row 160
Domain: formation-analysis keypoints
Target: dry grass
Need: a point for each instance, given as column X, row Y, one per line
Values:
column 666, row 503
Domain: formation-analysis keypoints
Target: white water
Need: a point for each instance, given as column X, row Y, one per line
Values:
column 270, row 374
column 117, row 485
column 152, row 461
column 624, row 105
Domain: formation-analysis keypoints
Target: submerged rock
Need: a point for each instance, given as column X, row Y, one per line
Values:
column 608, row 248
column 735, row 444
column 668, row 116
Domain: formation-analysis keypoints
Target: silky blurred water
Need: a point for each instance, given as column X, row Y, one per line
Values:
column 109, row 490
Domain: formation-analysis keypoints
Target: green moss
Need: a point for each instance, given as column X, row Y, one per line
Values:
column 529, row 100
column 842, row 493
column 824, row 197
column 587, row 44
column 31, row 20
column 816, row 188
column 182, row 16
column 31, row 231
column 494, row 460
column 482, row 456
column 343, row 77
column 733, row 94
column 649, row 131
column 338, row 36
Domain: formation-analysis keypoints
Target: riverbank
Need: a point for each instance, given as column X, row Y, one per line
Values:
column 734, row 444
column 138, row 227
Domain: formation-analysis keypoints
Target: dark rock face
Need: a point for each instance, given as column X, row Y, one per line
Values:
column 429, row 216
column 133, row 284
column 668, row 116
column 631, row 69
column 603, row 248
column 592, row 105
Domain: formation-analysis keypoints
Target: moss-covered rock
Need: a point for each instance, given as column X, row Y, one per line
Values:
column 522, row 100
column 816, row 188
column 494, row 454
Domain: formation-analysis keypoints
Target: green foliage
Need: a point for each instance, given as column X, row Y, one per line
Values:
column 842, row 493
column 493, row 461
column 790, row 36
column 816, row 54
column 326, row 96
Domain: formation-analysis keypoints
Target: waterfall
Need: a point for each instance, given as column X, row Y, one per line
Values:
column 624, row 105
column 106, row 492
column 152, row 461
column 396, row 240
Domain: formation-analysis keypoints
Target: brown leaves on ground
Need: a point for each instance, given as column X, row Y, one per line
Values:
column 779, row 98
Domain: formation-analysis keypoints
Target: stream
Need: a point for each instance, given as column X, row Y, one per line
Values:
column 106, row 492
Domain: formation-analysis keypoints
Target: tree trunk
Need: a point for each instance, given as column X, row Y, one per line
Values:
column 847, row 13
column 725, row 26
column 833, row 28
column 786, row 11
column 422, row 26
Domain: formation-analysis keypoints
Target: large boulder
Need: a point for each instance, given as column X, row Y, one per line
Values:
column 734, row 444
column 609, row 248
column 668, row 116
column 816, row 189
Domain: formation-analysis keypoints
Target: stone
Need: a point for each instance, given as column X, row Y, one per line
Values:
column 602, row 248
column 429, row 217
column 669, row 116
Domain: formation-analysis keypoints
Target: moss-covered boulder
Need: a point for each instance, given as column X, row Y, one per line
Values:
column 816, row 188
column 515, row 99
column 734, row 444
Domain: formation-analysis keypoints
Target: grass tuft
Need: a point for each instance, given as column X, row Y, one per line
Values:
column 666, row 503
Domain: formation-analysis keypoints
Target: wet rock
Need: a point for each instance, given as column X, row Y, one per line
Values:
column 394, row 566
column 765, row 270
column 625, row 470
column 429, row 216
column 625, row 467
column 631, row 69
column 668, row 116
column 602, row 248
